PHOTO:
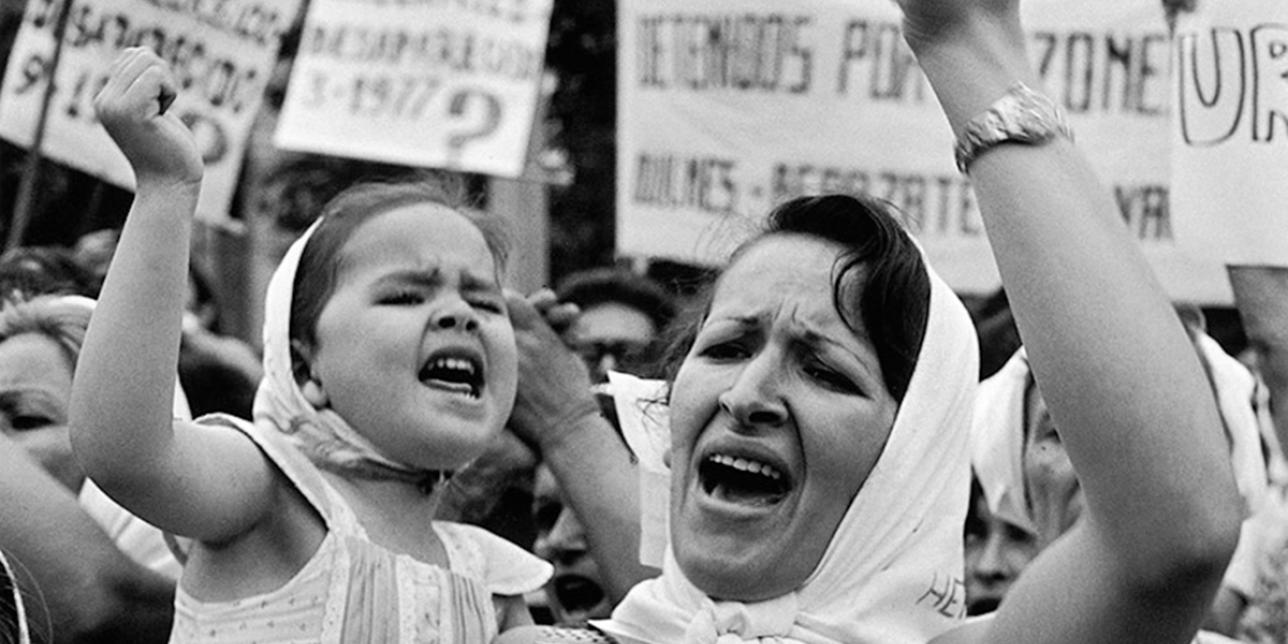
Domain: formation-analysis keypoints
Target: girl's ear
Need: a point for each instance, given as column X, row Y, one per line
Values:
column 310, row 386
column 315, row 394
column 301, row 358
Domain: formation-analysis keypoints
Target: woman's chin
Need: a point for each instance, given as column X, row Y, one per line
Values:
column 728, row 581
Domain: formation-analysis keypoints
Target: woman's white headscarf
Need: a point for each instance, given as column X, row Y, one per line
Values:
column 321, row 434
column 998, row 433
column 893, row 571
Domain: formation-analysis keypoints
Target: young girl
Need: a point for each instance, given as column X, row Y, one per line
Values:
column 389, row 357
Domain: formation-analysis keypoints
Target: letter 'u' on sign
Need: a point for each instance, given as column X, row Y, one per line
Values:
column 1230, row 131
column 431, row 83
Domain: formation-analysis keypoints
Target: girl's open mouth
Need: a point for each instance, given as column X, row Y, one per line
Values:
column 452, row 371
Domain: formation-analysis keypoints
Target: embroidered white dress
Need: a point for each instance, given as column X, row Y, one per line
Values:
column 353, row 590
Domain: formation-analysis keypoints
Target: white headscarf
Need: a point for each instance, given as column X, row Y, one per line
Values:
column 997, row 442
column 893, row 571
column 997, row 435
column 321, row 434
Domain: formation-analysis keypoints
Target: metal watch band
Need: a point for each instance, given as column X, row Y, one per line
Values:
column 1020, row 116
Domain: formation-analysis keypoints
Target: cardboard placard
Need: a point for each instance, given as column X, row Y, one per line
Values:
column 430, row 84
column 221, row 53
column 1230, row 133
column 727, row 110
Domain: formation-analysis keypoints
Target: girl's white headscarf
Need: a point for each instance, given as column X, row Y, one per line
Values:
column 998, row 434
column 321, row 434
column 893, row 571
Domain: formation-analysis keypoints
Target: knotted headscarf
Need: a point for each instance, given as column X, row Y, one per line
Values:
column 892, row 572
column 326, row 438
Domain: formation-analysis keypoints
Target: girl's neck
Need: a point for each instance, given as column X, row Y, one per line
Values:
column 396, row 514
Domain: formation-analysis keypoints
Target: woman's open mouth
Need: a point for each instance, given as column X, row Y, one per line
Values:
column 742, row 480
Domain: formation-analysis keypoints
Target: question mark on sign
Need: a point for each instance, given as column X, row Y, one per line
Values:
column 457, row 141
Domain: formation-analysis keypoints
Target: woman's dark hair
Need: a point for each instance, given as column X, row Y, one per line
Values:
column 893, row 300
column 315, row 277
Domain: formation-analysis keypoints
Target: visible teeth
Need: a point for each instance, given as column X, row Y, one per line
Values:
column 457, row 364
column 744, row 465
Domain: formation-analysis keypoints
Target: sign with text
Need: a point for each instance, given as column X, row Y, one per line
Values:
column 430, row 83
column 221, row 53
column 1230, row 131
column 727, row 110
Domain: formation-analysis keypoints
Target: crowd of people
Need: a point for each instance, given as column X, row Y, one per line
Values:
column 416, row 454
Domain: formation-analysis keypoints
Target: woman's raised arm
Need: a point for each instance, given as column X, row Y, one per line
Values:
column 1113, row 362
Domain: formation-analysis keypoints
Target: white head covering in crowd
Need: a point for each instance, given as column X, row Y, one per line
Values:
column 327, row 439
column 893, row 571
column 997, row 442
column 998, row 433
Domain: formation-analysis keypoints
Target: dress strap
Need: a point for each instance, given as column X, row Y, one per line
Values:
column 299, row 470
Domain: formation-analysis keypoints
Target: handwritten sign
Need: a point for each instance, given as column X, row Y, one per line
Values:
column 727, row 110
column 221, row 54
column 1230, row 132
column 434, row 83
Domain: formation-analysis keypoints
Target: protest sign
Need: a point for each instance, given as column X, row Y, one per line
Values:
column 1230, row 133
column 221, row 52
column 433, row 83
column 725, row 111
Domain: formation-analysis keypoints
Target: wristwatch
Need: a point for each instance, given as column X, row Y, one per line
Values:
column 1020, row 116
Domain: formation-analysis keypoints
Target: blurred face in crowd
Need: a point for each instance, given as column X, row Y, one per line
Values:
column 575, row 593
column 611, row 336
column 35, row 384
column 1054, row 496
column 778, row 413
column 997, row 551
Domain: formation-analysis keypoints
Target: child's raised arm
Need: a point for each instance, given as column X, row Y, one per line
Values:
column 207, row 483
column 1117, row 370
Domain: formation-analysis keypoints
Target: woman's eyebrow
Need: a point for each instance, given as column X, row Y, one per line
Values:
column 814, row 338
column 27, row 397
column 739, row 320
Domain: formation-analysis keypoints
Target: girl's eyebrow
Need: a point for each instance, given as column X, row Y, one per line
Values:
column 432, row 278
column 474, row 282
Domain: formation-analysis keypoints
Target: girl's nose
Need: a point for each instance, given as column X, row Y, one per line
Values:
column 458, row 315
